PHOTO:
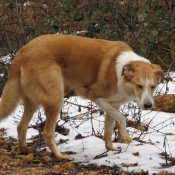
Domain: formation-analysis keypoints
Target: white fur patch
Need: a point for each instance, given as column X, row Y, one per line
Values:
column 123, row 59
column 146, row 96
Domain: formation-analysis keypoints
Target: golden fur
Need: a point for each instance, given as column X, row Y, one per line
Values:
column 89, row 66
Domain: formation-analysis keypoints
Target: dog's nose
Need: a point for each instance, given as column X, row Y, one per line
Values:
column 148, row 105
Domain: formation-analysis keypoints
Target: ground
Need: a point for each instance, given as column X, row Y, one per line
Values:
column 40, row 161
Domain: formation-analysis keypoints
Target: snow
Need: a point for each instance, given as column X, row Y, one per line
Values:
column 88, row 148
column 6, row 59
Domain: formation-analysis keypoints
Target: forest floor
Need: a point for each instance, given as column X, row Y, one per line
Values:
column 42, row 162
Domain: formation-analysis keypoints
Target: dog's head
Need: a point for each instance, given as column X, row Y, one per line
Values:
column 140, row 81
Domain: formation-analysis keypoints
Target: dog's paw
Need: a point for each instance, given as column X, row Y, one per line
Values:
column 24, row 150
column 109, row 146
column 108, row 143
column 124, row 137
column 64, row 156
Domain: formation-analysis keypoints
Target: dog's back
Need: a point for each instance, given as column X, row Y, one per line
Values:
column 79, row 59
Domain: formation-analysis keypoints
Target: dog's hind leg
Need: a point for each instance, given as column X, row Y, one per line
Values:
column 52, row 102
column 52, row 111
column 29, row 109
column 46, row 89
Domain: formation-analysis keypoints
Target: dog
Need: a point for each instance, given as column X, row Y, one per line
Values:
column 108, row 73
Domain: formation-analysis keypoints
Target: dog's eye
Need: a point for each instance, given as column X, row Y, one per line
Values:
column 152, row 87
column 140, row 86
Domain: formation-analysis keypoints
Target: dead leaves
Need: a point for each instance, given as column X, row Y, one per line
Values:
column 141, row 127
column 80, row 118
column 79, row 136
column 56, row 169
column 141, row 172
column 164, row 173
column 169, row 134
column 68, row 165
column 60, row 169
column 136, row 153
column 2, row 133
column 130, row 123
column 28, row 158
column 142, row 141
column 129, row 164
column 46, row 159
column 169, row 160
column 165, row 103
column 62, row 130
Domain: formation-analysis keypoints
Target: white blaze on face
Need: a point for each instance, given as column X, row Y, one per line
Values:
column 146, row 99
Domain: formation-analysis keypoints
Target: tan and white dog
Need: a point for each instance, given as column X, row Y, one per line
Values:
column 107, row 72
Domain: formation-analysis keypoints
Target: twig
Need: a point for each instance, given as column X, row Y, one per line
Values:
column 164, row 145
column 101, row 155
column 77, row 104
column 93, row 131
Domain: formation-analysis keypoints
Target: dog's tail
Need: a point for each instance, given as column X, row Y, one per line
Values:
column 11, row 93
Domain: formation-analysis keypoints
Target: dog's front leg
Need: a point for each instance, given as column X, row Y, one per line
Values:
column 108, row 129
column 113, row 114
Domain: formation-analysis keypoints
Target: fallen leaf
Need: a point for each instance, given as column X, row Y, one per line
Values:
column 93, row 173
column 141, row 141
column 56, row 169
column 62, row 130
column 94, row 111
column 80, row 118
column 163, row 173
column 141, row 127
column 136, row 138
column 163, row 154
column 68, row 165
column 46, row 159
column 130, row 123
column 2, row 133
column 136, row 153
column 14, row 163
column 143, row 172
column 79, row 136
column 129, row 164
column 28, row 158
column 169, row 134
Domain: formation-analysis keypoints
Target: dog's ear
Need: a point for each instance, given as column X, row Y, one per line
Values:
column 128, row 71
column 159, row 73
